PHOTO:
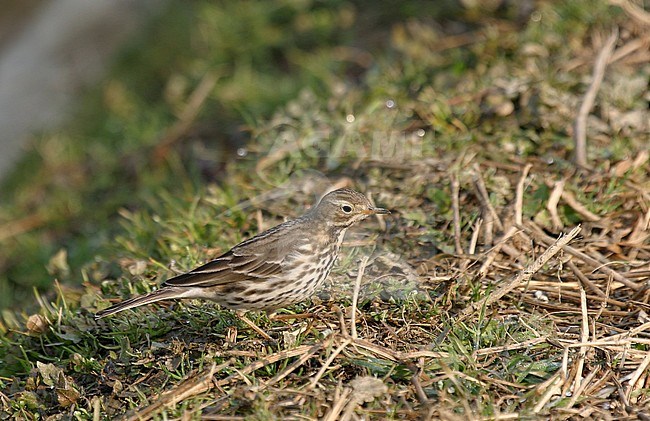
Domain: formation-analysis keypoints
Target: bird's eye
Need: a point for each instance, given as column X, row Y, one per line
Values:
column 346, row 208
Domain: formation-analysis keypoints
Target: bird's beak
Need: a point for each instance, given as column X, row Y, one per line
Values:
column 376, row 211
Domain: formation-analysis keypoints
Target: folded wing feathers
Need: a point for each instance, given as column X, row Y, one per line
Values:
column 238, row 264
column 259, row 257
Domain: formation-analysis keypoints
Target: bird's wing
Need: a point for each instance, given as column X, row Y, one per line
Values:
column 257, row 258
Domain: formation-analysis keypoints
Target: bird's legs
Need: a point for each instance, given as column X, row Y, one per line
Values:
column 242, row 316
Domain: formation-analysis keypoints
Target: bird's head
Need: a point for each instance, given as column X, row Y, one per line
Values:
column 344, row 207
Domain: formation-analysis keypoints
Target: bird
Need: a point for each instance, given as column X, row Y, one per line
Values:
column 279, row 267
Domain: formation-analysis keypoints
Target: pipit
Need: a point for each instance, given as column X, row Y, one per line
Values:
column 279, row 267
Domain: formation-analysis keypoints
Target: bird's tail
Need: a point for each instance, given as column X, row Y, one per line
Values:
column 165, row 293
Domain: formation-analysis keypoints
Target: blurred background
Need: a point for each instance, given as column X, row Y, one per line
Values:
column 90, row 93
column 50, row 53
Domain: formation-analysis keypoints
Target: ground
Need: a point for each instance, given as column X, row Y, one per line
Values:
column 510, row 281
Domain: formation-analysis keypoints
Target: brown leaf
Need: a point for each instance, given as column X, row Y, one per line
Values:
column 37, row 324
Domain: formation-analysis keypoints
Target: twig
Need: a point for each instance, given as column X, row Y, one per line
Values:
column 522, row 277
column 191, row 387
column 484, row 197
column 560, row 291
column 633, row 10
column 570, row 200
column 541, row 237
column 476, row 230
column 415, row 381
column 14, row 228
column 299, row 362
column 340, row 403
column 256, row 328
column 585, row 281
column 393, row 355
column 187, row 117
column 580, row 131
column 552, row 386
column 550, row 307
column 624, row 338
column 455, row 204
column 580, row 390
column 499, row 349
column 341, row 317
column 492, row 254
column 519, row 200
column 330, row 359
column 262, row 362
column 259, row 217
column 475, row 234
column 631, row 47
column 552, row 203
column 637, row 375
column 355, row 296
column 585, row 338
column 488, row 232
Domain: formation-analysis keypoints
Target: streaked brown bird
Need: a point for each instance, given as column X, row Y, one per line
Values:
column 279, row 267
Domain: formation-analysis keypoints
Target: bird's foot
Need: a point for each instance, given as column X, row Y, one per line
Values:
column 255, row 327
